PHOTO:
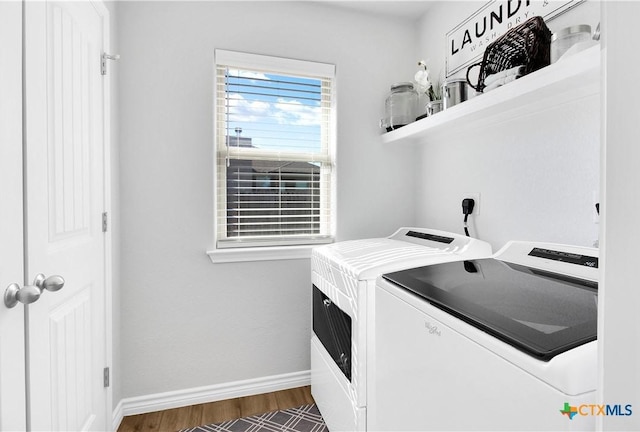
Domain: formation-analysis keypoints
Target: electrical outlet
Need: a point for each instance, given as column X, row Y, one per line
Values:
column 476, row 198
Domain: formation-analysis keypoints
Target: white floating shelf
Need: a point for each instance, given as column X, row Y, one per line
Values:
column 567, row 80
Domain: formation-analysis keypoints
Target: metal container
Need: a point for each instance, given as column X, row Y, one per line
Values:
column 401, row 106
column 454, row 91
column 568, row 37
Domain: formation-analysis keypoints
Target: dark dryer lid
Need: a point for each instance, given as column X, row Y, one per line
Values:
column 538, row 312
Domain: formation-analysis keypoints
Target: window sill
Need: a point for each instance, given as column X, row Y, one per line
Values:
column 248, row 254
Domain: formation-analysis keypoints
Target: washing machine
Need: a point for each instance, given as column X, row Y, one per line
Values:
column 506, row 343
column 343, row 278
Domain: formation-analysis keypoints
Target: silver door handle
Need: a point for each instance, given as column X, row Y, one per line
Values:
column 31, row 293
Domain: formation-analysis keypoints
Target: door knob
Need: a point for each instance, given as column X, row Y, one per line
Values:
column 31, row 293
column 52, row 283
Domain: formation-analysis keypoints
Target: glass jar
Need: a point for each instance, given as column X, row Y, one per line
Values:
column 401, row 106
column 562, row 41
column 433, row 107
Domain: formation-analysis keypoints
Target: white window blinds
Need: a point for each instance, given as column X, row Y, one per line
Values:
column 274, row 158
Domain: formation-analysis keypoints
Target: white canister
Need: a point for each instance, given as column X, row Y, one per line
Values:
column 568, row 37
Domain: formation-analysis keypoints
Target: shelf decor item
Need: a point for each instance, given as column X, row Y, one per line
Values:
column 424, row 86
column 400, row 106
column 569, row 37
column 455, row 91
column 525, row 45
column 423, row 82
column 433, row 107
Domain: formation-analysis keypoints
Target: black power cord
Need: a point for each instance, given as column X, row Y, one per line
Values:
column 467, row 209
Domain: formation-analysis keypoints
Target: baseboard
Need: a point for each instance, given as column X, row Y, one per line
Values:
column 117, row 417
column 217, row 392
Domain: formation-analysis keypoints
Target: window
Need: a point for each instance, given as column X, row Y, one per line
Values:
column 274, row 121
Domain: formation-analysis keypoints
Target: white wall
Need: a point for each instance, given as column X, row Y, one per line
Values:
column 536, row 175
column 619, row 299
column 186, row 322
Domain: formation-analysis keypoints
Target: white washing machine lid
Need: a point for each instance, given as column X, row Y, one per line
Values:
column 408, row 247
column 540, row 312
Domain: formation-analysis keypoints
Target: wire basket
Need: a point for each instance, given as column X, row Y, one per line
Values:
column 527, row 45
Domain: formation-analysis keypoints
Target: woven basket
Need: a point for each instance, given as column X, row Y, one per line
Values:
column 528, row 44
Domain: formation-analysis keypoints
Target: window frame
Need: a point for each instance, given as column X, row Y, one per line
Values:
column 286, row 248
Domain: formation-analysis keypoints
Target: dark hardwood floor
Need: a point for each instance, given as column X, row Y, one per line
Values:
column 214, row 412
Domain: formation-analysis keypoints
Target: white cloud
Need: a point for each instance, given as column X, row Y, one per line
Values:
column 291, row 111
column 246, row 110
column 284, row 111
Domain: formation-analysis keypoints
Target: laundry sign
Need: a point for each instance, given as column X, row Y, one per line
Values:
column 467, row 41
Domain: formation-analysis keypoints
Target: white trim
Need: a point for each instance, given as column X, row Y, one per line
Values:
column 117, row 417
column 253, row 251
column 245, row 254
column 103, row 11
column 276, row 64
column 199, row 395
column 272, row 155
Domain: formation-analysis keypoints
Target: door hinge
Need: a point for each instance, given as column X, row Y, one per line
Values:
column 104, row 222
column 105, row 377
column 103, row 61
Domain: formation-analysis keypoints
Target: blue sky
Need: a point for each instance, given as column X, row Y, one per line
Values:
column 275, row 110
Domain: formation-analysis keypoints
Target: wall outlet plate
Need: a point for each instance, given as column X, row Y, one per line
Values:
column 476, row 198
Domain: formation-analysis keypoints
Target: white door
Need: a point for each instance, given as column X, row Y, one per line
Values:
column 64, row 189
column 12, row 396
